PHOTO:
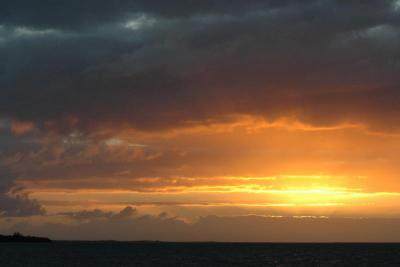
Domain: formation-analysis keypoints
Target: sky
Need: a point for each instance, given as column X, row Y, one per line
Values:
column 262, row 120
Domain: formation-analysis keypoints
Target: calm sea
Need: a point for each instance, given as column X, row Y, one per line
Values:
column 109, row 254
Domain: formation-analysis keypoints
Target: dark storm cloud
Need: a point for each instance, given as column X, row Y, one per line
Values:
column 155, row 65
column 63, row 14
column 76, row 14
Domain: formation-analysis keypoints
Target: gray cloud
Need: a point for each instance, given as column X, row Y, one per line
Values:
column 14, row 203
column 86, row 215
column 272, row 60
column 220, row 228
column 77, row 14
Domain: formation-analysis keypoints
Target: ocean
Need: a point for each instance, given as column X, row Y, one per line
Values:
column 92, row 254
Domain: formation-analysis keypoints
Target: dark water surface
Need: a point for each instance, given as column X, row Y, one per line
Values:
column 196, row 254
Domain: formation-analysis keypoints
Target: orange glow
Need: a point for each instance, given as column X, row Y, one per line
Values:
column 21, row 127
column 249, row 163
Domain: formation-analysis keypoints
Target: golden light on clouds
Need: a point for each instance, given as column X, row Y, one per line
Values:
column 290, row 195
column 294, row 168
column 182, row 110
column 21, row 127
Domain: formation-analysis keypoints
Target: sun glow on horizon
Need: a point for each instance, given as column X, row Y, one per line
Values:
column 280, row 192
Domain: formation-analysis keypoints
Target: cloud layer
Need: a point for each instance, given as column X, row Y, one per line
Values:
column 132, row 226
column 163, row 65
column 195, row 102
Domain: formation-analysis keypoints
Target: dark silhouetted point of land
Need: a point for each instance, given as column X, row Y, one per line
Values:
column 17, row 237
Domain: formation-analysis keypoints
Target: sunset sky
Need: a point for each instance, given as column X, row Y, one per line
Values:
column 227, row 120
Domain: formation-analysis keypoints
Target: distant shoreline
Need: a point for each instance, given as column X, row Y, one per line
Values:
column 18, row 238
column 223, row 242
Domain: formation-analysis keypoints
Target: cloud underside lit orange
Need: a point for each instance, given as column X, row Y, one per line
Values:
column 251, row 164
column 180, row 116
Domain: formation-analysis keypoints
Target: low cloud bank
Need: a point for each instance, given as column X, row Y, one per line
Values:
column 129, row 225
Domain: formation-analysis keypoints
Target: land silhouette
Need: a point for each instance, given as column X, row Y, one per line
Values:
column 17, row 237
